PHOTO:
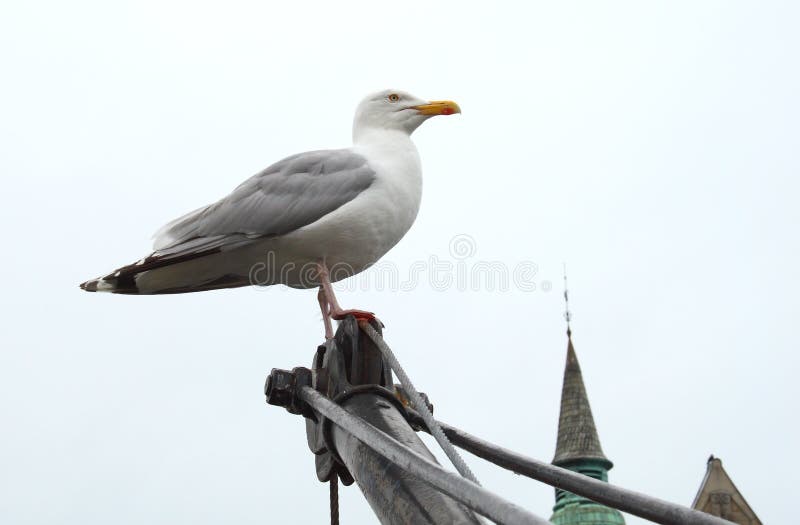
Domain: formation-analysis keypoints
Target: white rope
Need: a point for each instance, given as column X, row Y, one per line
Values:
column 419, row 405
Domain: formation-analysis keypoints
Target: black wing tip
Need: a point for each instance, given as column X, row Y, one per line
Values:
column 89, row 286
column 105, row 284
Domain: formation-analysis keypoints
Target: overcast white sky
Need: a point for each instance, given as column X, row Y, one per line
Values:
column 653, row 146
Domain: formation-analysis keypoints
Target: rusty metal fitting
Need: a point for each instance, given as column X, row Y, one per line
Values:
column 403, row 397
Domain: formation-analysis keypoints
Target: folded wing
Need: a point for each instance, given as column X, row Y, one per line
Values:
column 286, row 196
column 190, row 252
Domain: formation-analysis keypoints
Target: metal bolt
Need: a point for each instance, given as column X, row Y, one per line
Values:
column 280, row 387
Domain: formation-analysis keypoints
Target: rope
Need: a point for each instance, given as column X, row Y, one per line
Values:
column 334, row 483
column 418, row 404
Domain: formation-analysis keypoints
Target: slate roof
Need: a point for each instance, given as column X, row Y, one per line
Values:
column 577, row 434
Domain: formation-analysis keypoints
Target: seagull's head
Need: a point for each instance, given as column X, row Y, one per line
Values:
column 392, row 109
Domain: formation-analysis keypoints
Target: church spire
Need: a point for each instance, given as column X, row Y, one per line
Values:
column 578, row 445
column 577, row 434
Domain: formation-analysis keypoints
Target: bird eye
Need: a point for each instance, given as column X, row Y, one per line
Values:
column 394, row 97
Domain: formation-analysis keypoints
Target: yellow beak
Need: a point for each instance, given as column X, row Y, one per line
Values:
column 438, row 107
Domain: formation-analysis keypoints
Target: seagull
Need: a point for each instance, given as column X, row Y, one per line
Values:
column 306, row 221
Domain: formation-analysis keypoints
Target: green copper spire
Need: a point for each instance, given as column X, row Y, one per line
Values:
column 578, row 447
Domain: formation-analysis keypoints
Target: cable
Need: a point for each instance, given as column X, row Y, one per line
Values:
column 334, row 482
column 642, row 505
column 445, row 481
column 418, row 404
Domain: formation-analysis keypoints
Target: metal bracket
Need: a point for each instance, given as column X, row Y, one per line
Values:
column 345, row 366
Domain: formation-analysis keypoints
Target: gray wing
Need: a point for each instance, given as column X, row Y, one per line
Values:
column 288, row 195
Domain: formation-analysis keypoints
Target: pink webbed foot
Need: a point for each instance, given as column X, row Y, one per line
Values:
column 360, row 315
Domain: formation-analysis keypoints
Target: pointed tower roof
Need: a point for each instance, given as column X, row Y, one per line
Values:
column 720, row 497
column 578, row 449
column 577, row 434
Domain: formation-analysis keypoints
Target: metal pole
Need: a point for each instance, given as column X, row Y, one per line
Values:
column 647, row 507
column 395, row 496
column 398, row 454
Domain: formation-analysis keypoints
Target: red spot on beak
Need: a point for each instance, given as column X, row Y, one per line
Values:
column 447, row 111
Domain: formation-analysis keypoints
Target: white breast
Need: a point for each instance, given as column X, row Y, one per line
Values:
column 359, row 233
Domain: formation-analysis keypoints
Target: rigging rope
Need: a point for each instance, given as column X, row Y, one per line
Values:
column 419, row 404
column 334, row 482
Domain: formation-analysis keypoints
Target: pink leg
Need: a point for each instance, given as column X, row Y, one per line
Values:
column 326, row 313
column 335, row 311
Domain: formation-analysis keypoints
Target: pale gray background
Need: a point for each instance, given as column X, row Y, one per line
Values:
column 653, row 146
